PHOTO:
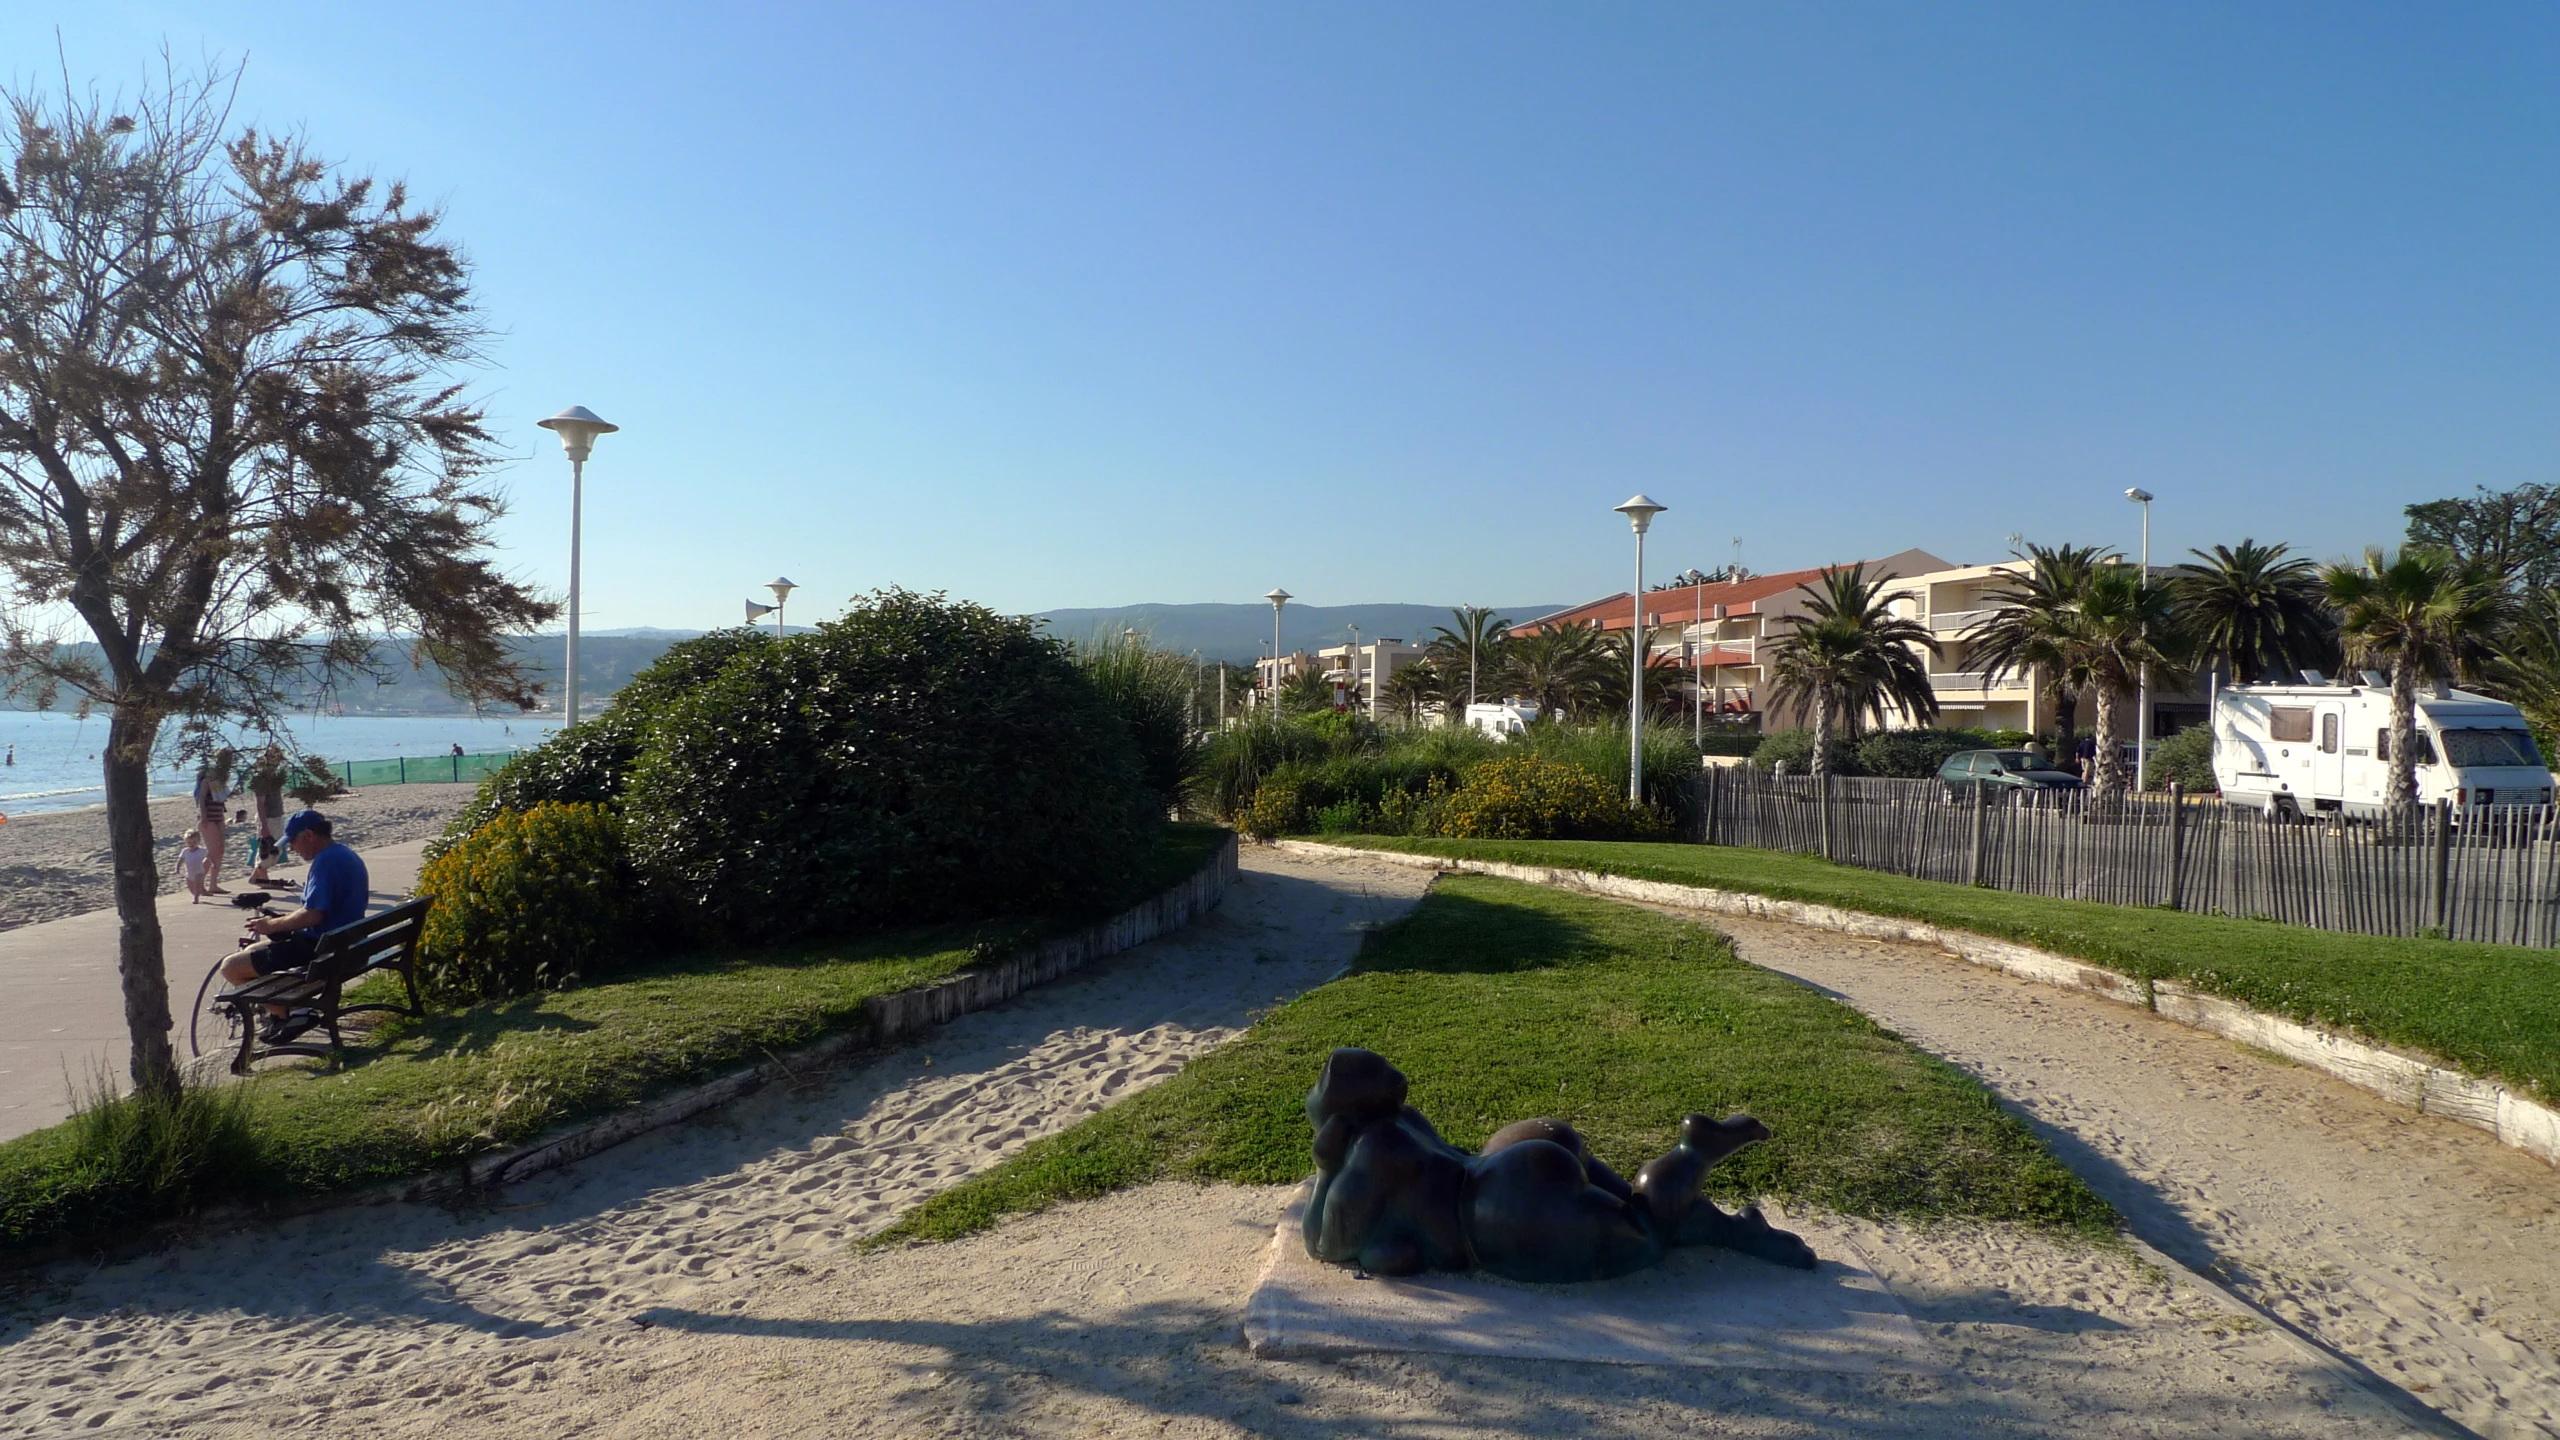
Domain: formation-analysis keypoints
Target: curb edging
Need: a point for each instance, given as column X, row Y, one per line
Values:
column 2417, row 1080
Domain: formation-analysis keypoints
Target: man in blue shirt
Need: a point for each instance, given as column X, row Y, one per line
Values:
column 334, row 891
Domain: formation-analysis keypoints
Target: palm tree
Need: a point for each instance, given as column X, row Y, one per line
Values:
column 1561, row 668
column 1850, row 659
column 2027, row 631
column 2427, row 616
column 1666, row 684
column 2525, row 671
column 2254, row 609
column 1471, row 650
column 2122, row 623
column 1415, row 686
column 1305, row 693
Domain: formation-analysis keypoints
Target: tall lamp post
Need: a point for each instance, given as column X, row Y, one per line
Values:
column 577, row 428
column 1639, row 512
column 2142, row 706
column 781, row 596
column 1278, row 597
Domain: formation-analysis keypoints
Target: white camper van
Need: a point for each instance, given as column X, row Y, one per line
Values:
column 2299, row 749
column 1502, row 720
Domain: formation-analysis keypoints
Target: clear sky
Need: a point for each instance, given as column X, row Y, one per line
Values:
column 1090, row 304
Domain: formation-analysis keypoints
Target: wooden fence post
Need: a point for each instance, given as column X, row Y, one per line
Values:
column 2442, row 869
column 2177, row 846
column 1973, row 868
column 1708, row 784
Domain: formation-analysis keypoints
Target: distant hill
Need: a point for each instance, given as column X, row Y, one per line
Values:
column 1239, row 632
column 1236, row 633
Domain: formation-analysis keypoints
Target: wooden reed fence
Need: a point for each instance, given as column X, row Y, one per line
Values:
column 2487, row 873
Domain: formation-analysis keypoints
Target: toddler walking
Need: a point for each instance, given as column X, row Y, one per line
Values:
column 191, row 860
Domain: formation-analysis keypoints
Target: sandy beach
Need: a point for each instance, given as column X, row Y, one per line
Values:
column 56, row 864
column 698, row 1282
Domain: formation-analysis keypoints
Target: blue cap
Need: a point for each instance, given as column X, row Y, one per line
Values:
column 306, row 820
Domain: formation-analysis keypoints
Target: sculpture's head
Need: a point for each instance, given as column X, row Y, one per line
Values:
column 1358, row 1086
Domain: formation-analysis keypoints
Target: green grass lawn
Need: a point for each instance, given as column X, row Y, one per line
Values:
column 424, row 1095
column 2493, row 1010
column 1502, row 1001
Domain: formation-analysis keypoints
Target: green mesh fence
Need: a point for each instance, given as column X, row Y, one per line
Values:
column 408, row 769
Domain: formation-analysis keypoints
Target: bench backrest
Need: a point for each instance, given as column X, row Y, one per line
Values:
column 372, row 943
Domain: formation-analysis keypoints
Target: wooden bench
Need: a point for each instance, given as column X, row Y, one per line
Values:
column 388, row 941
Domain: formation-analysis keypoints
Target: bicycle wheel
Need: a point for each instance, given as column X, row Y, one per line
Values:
column 207, row 1025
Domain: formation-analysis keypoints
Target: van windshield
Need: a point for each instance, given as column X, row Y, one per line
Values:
column 2466, row 748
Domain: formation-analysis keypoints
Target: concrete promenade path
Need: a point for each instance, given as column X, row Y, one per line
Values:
column 64, row 1019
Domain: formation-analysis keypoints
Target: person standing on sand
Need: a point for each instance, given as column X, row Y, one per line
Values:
column 267, row 784
column 213, row 797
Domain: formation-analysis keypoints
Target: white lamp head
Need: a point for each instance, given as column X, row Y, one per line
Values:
column 2138, row 495
column 1640, row 512
column 1279, row 598
column 781, row 589
column 578, row 428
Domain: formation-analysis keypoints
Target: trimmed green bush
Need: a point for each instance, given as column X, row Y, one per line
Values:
column 587, row 763
column 533, row 900
column 1794, row 749
column 1913, row 754
column 919, row 759
column 2187, row 758
column 1529, row 797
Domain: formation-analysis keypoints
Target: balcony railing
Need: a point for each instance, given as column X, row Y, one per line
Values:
column 1961, row 679
column 1959, row 619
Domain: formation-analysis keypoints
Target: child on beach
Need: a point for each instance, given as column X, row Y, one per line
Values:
column 191, row 860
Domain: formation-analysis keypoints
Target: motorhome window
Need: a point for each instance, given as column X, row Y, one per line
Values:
column 2286, row 722
column 2328, row 734
column 2466, row 748
column 2426, row 747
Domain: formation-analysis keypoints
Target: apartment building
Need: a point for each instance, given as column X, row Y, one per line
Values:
column 1950, row 600
column 1723, row 627
column 1363, row 670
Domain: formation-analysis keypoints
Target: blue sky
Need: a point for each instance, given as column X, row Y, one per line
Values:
column 1097, row 304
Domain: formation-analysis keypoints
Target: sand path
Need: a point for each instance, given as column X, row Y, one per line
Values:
column 2421, row 1248
column 398, row 1301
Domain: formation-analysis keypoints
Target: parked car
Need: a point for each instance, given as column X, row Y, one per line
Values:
column 2002, row 771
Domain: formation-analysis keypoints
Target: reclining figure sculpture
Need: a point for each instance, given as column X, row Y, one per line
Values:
column 1393, row 1198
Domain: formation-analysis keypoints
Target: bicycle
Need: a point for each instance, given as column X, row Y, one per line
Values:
column 216, row 1029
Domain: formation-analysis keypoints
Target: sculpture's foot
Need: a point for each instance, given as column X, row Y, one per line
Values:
column 1749, row 1232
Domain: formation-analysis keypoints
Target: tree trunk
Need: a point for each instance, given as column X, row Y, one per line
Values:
column 2066, row 720
column 139, row 960
column 2402, row 794
column 2108, row 776
column 1822, row 735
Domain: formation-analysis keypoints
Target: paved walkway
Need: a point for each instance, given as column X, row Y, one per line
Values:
column 2418, row 1247
column 65, row 1016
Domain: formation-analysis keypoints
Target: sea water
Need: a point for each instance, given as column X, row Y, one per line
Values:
column 57, row 753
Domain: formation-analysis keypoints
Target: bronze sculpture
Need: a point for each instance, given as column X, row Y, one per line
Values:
column 1393, row 1198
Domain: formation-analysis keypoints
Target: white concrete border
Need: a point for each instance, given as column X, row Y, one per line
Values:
column 2417, row 1080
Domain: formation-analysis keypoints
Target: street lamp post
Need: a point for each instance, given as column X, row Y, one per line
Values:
column 1278, row 597
column 2142, row 706
column 577, row 428
column 1639, row 512
column 781, row 596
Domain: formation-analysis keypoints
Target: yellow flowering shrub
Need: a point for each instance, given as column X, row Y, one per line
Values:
column 1277, row 809
column 532, row 900
column 1525, row 797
